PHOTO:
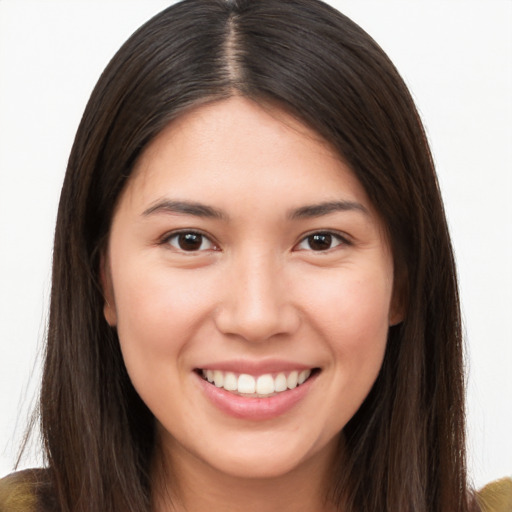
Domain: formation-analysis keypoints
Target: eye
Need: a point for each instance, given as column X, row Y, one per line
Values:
column 321, row 241
column 189, row 241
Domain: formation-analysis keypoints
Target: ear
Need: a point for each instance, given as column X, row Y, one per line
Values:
column 109, row 306
column 396, row 315
column 397, row 307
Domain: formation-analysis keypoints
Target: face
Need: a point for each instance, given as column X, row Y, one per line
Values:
column 251, row 286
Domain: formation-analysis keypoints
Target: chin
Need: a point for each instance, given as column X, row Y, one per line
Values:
column 258, row 467
column 266, row 458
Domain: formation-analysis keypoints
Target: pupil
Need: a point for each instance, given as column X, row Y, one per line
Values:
column 320, row 241
column 190, row 241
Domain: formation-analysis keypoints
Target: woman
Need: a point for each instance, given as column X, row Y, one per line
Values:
column 250, row 208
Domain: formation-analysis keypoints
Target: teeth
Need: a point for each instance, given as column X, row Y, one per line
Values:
column 303, row 375
column 292, row 380
column 280, row 383
column 263, row 385
column 246, row 383
column 218, row 378
column 230, row 382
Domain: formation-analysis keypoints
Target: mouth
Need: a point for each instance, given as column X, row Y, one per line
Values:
column 257, row 386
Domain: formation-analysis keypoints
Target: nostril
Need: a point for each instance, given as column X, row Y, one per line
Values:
column 258, row 323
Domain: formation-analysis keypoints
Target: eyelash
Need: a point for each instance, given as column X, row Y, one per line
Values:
column 166, row 240
column 331, row 237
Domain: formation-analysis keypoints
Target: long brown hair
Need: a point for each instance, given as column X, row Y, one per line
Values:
column 405, row 446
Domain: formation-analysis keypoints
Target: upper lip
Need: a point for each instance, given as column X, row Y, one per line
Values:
column 255, row 367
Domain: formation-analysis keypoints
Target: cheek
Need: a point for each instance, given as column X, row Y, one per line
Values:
column 352, row 312
column 157, row 310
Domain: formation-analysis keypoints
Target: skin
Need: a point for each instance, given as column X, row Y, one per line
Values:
column 254, row 289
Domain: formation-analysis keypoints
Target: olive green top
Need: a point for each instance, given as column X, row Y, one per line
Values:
column 496, row 496
column 29, row 491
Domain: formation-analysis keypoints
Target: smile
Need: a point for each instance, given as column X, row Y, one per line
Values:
column 261, row 386
column 259, row 394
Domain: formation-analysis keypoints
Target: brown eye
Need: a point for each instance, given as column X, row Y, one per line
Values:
column 190, row 241
column 321, row 241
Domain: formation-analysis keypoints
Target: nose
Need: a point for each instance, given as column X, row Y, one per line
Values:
column 257, row 305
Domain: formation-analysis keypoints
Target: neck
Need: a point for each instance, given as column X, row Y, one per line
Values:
column 184, row 483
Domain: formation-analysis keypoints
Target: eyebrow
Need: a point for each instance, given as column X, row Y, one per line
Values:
column 320, row 209
column 202, row 210
column 185, row 207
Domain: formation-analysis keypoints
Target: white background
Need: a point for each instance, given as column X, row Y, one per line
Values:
column 456, row 56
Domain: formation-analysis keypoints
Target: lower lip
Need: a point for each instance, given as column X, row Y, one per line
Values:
column 253, row 408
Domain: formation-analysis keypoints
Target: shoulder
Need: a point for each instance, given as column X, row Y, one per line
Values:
column 27, row 491
column 17, row 492
column 496, row 496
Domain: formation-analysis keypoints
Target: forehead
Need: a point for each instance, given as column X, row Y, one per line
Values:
column 235, row 153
